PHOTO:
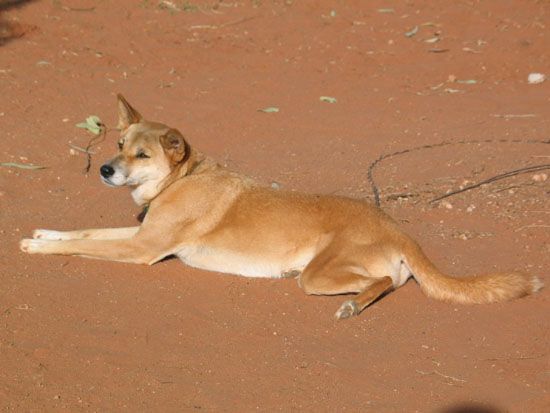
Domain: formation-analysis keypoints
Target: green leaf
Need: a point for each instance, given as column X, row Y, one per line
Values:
column 95, row 131
column 21, row 165
column 328, row 99
column 269, row 109
column 93, row 124
column 93, row 121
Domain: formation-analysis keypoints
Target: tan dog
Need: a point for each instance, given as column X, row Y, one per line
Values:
column 218, row 220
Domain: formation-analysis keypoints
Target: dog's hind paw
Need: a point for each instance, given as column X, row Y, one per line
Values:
column 49, row 234
column 347, row 309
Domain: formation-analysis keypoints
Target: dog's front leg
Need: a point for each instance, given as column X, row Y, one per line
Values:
column 138, row 249
column 96, row 233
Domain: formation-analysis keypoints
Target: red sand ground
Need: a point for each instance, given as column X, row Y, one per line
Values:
column 81, row 334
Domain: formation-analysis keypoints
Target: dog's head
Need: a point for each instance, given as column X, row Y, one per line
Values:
column 148, row 152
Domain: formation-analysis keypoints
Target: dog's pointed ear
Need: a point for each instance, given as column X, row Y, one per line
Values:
column 175, row 146
column 127, row 115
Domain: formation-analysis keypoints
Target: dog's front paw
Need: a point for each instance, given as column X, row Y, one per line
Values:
column 347, row 309
column 32, row 246
column 49, row 234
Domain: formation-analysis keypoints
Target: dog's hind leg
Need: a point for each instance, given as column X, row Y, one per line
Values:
column 368, row 271
column 353, row 307
column 96, row 233
column 330, row 273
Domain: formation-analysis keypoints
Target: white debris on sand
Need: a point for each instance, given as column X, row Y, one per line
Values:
column 535, row 78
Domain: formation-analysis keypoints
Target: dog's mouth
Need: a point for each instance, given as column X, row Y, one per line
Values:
column 108, row 182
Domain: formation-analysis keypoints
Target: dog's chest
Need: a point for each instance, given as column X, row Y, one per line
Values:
column 235, row 262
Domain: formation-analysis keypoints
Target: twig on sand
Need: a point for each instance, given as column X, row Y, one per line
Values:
column 377, row 161
column 221, row 26
column 80, row 149
column 514, row 116
column 504, row 175
column 67, row 8
column 428, row 373
column 238, row 21
column 515, row 358
column 21, row 165
column 94, row 141
column 531, row 226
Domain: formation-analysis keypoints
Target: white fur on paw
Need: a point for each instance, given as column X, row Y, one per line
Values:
column 49, row 234
column 32, row 246
column 346, row 310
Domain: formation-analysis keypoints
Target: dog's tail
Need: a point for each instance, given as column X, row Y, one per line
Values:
column 487, row 288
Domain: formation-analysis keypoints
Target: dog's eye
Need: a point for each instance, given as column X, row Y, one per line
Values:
column 142, row 155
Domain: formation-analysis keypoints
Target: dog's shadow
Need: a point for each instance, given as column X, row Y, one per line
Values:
column 11, row 30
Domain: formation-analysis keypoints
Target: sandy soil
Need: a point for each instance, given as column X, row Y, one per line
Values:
column 80, row 334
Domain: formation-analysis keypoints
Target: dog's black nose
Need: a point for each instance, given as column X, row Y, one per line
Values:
column 106, row 171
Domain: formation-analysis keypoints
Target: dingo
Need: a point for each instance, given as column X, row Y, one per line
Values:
column 218, row 220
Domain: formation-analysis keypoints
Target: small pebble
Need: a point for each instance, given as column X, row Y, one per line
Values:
column 535, row 78
column 540, row 177
column 447, row 204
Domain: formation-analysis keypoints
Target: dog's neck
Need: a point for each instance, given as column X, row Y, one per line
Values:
column 197, row 163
